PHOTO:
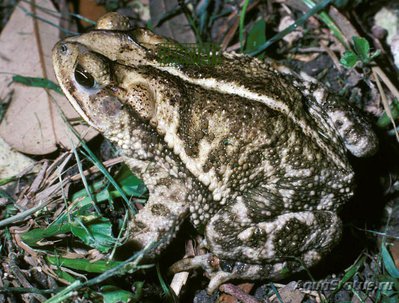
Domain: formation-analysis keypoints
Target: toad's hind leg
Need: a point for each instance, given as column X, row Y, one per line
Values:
column 269, row 249
column 356, row 133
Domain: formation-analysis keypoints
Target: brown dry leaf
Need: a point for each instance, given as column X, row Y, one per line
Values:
column 176, row 27
column 32, row 123
column 289, row 293
column 11, row 162
column 244, row 287
column 90, row 9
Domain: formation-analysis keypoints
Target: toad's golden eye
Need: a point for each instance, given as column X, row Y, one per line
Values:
column 92, row 70
column 84, row 78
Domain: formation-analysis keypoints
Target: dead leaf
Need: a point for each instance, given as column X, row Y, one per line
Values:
column 289, row 293
column 91, row 10
column 32, row 123
column 173, row 23
column 11, row 162
column 242, row 289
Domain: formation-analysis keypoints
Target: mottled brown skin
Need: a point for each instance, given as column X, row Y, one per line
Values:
column 254, row 155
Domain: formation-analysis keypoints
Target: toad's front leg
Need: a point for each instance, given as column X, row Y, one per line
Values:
column 165, row 209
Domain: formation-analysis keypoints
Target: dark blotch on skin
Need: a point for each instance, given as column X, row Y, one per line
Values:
column 288, row 242
column 160, row 210
column 111, row 105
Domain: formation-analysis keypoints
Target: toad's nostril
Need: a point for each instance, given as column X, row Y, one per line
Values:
column 63, row 49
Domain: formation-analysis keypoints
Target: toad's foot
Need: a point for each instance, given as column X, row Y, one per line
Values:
column 220, row 271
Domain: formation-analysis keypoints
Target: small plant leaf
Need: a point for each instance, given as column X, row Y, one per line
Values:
column 33, row 236
column 256, row 36
column 97, row 233
column 349, row 59
column 131, row 185
column 362, row 48
column 64, row 275
column 361, row 53
column 94, row 231
column 112, row 294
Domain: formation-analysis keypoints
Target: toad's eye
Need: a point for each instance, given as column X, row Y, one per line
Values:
column 84, row 78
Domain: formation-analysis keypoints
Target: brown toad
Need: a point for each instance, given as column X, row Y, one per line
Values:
column 254, row 155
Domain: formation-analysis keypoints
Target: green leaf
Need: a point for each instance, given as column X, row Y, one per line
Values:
column 361, row 53
column 92, row 157
column 362, row 48
column 256, row 37
column 37, row 82
column 113, row 294
column 349, row 59
column 95, row 232
column 33, row 236
column 97, row 267
column 389, row 264
column 64, row 275
column 129, row 183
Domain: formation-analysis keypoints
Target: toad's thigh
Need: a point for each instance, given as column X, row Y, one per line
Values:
column 231, row 234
